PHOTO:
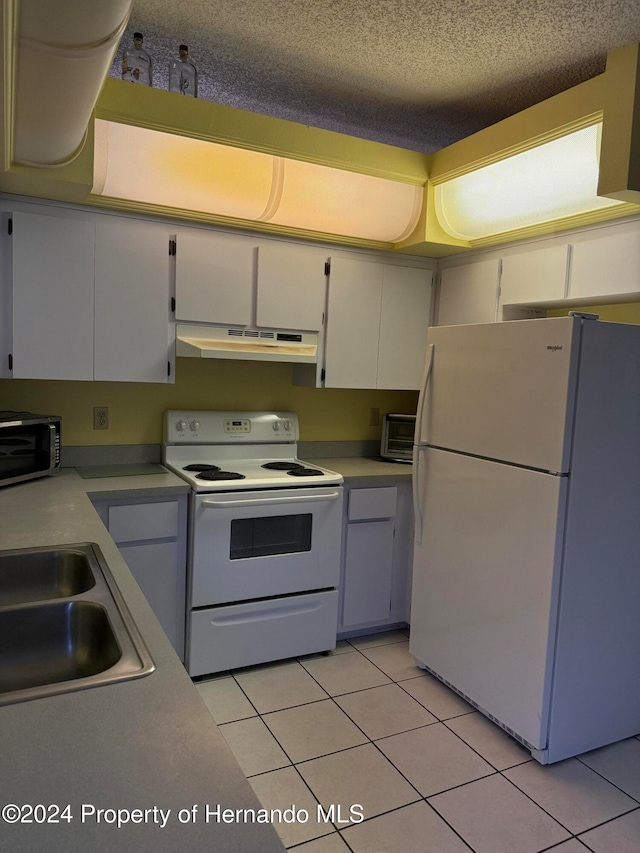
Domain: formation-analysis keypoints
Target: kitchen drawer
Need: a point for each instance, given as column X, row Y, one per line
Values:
column 372, row 503
column 236, row 635
column 139, row 522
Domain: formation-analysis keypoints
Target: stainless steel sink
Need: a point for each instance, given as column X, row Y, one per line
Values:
column 41, row 575
column 63, row 624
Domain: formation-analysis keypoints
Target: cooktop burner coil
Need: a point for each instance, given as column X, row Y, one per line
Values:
column 282, row 466
column 220, row 475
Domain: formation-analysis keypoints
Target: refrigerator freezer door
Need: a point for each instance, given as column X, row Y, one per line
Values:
column 484, row 584
column 503, row 391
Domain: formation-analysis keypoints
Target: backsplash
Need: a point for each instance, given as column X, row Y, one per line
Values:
column 135, row 409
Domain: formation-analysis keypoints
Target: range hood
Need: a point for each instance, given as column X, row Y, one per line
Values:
column 246, row 344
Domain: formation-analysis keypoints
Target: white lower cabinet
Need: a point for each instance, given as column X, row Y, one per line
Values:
column 377, row 551
column 151, row 536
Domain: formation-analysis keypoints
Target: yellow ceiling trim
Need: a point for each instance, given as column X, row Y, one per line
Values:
column 156, row 109
column 620, row 150
column 569, row 111
column 546, row 228
column 233, row 222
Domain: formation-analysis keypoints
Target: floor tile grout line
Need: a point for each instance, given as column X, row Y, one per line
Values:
column 582, row 831
column 635, row 799
column 373, row 743
column 280, row 709
column 441, row 720
column 406, row 806
column 559, row 822
column 605, row 822
column 437, row 719
column 304, row 782
column 377, row 645
column 368, row 739
column 497, row 769
column 558, row 844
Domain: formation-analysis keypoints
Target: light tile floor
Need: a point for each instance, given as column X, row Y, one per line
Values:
column 365, row 727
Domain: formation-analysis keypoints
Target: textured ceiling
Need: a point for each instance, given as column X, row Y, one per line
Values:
column 420, row 74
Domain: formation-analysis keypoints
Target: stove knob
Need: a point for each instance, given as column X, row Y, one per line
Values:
column 276, row 426
column 181, row 426
column 194, row 425
column 287, row 426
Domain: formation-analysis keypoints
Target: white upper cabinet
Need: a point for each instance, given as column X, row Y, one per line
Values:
column 404, row 318
column 353, row 324
column 535, row 276
column 469, row 293
column 291, row 287
column 377, row 325
column 53, row 297
column 132, row 301
column 607, row 264
column 214, row 277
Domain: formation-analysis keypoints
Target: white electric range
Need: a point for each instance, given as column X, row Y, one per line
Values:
column 264, row 542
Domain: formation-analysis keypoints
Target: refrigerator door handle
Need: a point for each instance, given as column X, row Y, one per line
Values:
column 428, row 367
column 415, row 483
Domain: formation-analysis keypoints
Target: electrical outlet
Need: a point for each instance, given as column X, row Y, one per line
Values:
column 101, row 417
column 374, row 417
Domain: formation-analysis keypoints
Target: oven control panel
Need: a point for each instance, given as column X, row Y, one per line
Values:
column 235, row 426
column 191, row 427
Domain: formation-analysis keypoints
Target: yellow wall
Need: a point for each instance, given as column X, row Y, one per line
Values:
column 135, row 409
column 628, row 312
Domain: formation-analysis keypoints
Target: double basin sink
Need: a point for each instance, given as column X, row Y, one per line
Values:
column 63, row 624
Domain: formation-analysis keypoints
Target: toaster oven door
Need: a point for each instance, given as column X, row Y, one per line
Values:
column 28, row 450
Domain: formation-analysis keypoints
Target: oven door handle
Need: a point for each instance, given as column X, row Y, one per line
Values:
column 331, row 496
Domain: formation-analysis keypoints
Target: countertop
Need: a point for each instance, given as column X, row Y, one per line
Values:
column 363, row 471
column 142, row 744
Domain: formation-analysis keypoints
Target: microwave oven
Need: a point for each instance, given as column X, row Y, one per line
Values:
column 29, row 446
column 396, row 444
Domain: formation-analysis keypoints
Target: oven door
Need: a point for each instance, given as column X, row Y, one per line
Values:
column 257, row 544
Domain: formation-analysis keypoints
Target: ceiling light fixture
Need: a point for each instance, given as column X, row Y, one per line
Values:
column 549, row 182
column 167, row 170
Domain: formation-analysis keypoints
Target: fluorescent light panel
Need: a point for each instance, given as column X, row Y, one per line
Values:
column 152, row 167
column 549, row 182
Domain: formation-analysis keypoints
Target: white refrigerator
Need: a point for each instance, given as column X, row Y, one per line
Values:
column 526, row 477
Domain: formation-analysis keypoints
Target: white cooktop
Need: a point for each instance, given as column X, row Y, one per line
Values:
column 240, row 443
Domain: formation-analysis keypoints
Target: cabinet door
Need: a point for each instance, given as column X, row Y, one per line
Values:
column 368, row 573
column 156, row 568
column 291, row 288
column 353, row 324
column 469, row 294
column 53, row 297
column 132, row 301
column 539, row 275
column 214, row 277
column 404, row 318
column 606, row 265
